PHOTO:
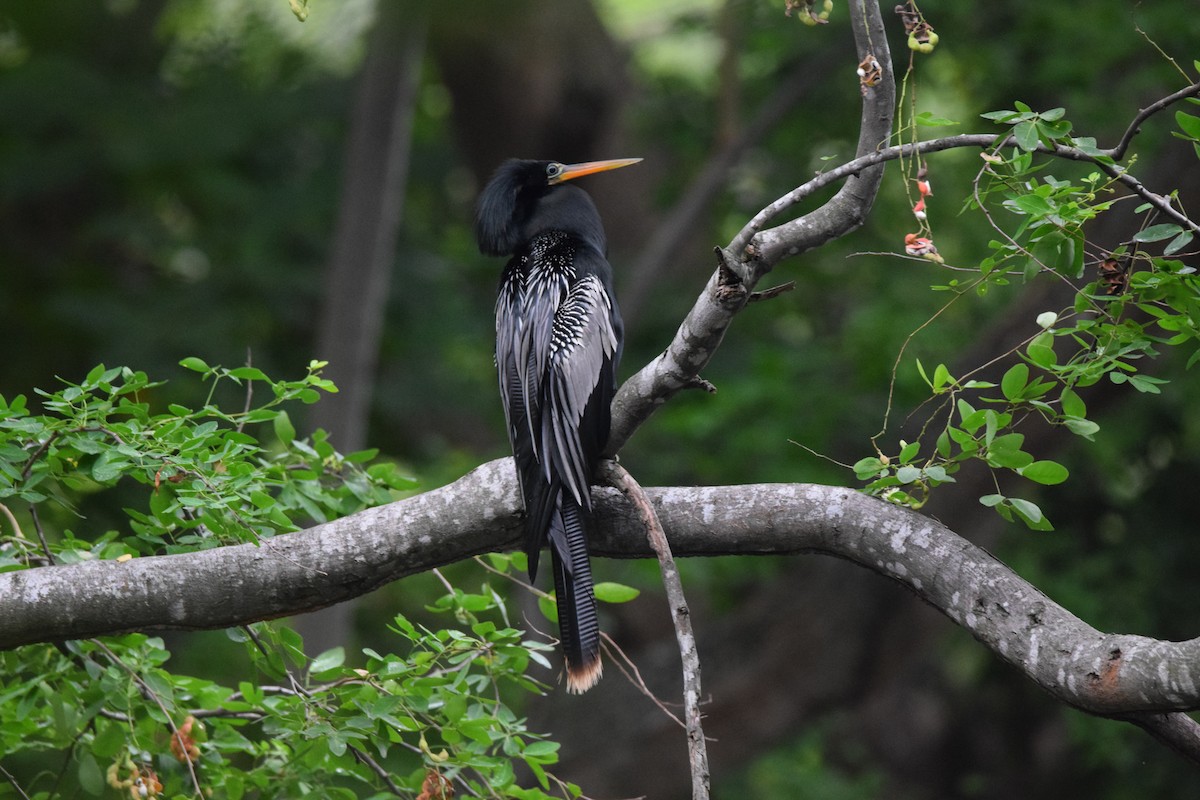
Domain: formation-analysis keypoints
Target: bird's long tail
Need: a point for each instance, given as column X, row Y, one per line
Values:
column 578, row 625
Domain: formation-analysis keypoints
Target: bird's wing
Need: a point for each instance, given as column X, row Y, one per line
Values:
column 509, row 363
column 580, row 364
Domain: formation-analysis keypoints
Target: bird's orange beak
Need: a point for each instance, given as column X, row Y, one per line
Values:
column 572, row 171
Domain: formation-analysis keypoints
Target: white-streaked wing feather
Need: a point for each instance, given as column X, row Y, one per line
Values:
column 582, row 340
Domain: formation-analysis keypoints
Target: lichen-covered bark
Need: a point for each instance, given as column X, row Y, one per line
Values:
column 1104, row 673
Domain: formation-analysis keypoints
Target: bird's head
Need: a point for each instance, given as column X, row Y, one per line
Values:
column 512, row 195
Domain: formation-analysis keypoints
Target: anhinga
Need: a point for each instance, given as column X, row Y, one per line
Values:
column 558, row 341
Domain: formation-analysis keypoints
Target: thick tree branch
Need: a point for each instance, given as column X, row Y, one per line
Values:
column 1114, row 675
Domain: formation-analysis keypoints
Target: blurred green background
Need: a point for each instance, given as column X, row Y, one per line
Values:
column 171, row 179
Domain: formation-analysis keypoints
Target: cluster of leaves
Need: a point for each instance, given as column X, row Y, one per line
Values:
column 433, row 714
column 1138, row 304
column 206, row 478
column 418, row 721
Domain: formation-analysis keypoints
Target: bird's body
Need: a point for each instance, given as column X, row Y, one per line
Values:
column 558, row 342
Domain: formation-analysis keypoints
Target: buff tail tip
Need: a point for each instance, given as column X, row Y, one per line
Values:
column 584, row 676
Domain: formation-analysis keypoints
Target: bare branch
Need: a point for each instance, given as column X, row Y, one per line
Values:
column 1179, row 732
column 704, row 327
column 1118, row 151
column 619, row 477
column 1106, row 674
column 707, row 184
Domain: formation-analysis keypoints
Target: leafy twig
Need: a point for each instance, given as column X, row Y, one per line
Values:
column 150, row 693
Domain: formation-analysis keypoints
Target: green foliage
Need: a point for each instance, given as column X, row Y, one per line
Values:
column 132, row 202
column 433, row 710
column 203, row 477
column 1114, row 323
column 299, row 726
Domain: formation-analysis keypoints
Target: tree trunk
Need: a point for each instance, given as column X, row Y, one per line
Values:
column 358, row 277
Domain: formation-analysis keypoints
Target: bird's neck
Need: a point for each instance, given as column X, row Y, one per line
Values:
column 570, row 210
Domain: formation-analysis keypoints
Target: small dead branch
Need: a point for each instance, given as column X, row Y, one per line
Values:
column 619, row 477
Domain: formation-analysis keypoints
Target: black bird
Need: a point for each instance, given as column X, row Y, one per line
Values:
column 558, row 341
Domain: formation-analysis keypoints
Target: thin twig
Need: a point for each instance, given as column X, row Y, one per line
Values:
column 979, row 140
column 41, row 534
column 1118, row 151
column 773, row 292
column 375, row 767
column 619, row 477
column 632, row 674
column 438, row 574
column 249, row 394
column 9, row 777
column 882, row 155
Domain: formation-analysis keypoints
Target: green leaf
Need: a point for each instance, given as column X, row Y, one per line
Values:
column 941, row 377
column 330, row 659
column 928, row 120
column 261, row 499
column 1054, row 130
column 540, row 749
column 1178, row 243
column 1031, row 514
column 389, row 474
column 251, row 693
column 1156, row 233
column 1188, row 123
column 908, row 474
column 1146, row 383
column 455, row 707
column 867, row 468
column 1000, row 116
column 1033, row 205
column 284, row 430
column 195, row 364
column 1048, row 473
column 1014, row 381
column 548, row 608
column 992, row 500
column 1057, row 252
column 249, row 374
column 1005, row 451
column 108, row 467
column 1041, row 350
column 1082, row 427
column 90, row 778
column 1072, row 404
column 1026, row 134
column 944, row 447
column 609, row 592
column 110, row 738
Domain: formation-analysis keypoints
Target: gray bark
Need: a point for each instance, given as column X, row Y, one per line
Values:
column 1103, row 673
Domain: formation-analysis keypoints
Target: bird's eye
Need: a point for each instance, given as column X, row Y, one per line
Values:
column 554, row 170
